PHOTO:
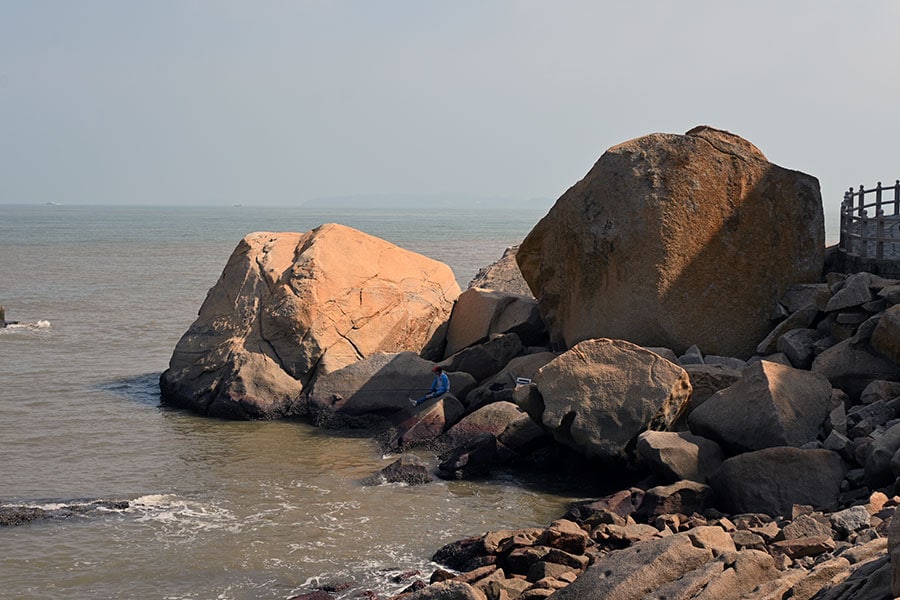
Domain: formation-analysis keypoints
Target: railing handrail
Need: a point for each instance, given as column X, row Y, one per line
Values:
column 878, row 229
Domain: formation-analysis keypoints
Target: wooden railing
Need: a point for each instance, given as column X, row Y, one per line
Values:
column 871, row 230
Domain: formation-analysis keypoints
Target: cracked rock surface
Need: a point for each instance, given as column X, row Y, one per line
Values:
column 291, row 306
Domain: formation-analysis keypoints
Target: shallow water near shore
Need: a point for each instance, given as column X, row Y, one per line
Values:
column 216, row 509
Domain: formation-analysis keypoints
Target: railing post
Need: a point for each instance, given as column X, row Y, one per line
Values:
column 877, row 198
column 897, row 198
column 879, row 233
column 863, row 233
column 842, row 242
column 861, row 203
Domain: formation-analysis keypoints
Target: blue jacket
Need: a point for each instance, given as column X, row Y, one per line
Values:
column 440, row 385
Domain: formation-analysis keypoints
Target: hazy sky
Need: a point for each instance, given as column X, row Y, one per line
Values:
column 270, row 102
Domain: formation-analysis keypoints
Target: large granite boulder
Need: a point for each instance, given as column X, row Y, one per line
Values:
column 290, row 306
column 770, row 405
column 674, row 240
column 771, row 481
column 598, row 396
column 379, row 385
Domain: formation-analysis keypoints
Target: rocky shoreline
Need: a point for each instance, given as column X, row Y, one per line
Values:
column 686, row 324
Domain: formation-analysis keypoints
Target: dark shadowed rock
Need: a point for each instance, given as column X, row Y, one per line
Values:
column 682, row 497
column 425, row 423
column 771, row 481
column 878, row 469
column 676, row 456
column 501, row 386
column 487, row 359
column 851, row 368
column 886, row 336
column 406, row 469
column 636, row 249
column 800, row 319
column 378, row 385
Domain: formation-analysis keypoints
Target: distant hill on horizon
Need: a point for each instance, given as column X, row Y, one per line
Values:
column 408, row 201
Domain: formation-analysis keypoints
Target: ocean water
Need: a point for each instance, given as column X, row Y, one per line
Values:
column 216, row 509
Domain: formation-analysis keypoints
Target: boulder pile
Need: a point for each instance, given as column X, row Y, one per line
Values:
column 682, row 330
column 611, row 548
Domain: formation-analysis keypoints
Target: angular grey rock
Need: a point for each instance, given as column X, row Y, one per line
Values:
column 706, row 380
column 852, row 368
column 770, row 405
column 773, row 480
column 602, row 393
column 801, row 319
column 806, row 526
column 682, row 455
column 801, row 295
column 799, row 346
column 487, row 359
column 503, row 275
column 854, row 292
column 691, row 356
column 878, row 462
column 850, row 520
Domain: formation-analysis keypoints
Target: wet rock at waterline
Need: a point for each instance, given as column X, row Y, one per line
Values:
column 291, row 306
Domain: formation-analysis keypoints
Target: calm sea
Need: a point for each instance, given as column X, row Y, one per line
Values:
column 217, row 509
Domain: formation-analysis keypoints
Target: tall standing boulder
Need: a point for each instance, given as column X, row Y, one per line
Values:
column 290, row 306
column 674, row 240
column 598, row 396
